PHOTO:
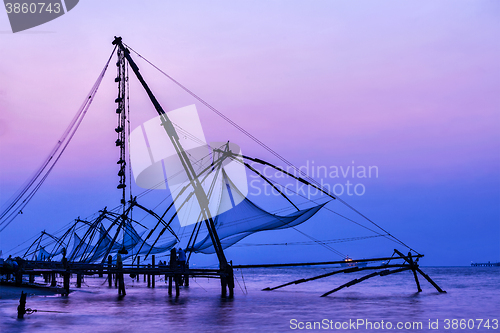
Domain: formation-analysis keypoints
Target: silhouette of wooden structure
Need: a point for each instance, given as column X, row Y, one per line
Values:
column 179, row 275
column 176, row 276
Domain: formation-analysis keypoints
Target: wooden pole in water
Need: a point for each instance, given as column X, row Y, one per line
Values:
column 19, row 278
column 66, row 282
column 230, row 280
column 79, row 280
column 149, row 276
column 121, row 284
column 32, row 278
column 152, row 275
column 53, row 280
column 173, row 268
column 110, row 276
column 413, row 266
column 138, row 266
column 223, row 284
column 177, row 278
column 21, row 308
column 186, row 277
column 430, row 280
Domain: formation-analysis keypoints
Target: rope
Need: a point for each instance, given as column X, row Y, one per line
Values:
column 239, row 285
column 263, row 145
column 33, row 185
column 321, row 243
column 340, row 240
column 244, row 281
column 386, row 235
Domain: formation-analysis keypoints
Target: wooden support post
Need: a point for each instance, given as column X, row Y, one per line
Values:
column 186, row 276
column 110, row 276
column 230, row 280
column 79, row 280
column 356, row 281
column 53, row 280
column 430, row 281
column 32, row 278
column 223, row 284
column 413, row 266
column 149, row 276
column 173, row 268
column 21, row 308
column 66, row 282
column 138, row 266
column 121, row 284
column 153, row 282
column 177, row 280
column 19, row 278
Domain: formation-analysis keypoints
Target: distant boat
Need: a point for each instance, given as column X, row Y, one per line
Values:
column 348, row 262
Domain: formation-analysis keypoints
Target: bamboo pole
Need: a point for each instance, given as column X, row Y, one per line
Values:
column 346, row 270
column 430, row 281
column 138, row 266
column 110, row 276
column 319, row 263
column 153, row 282
column 356, row 281
column 149, row 276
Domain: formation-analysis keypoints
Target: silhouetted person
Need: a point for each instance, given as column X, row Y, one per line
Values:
column 119, row 274
column 181, row 258
column 9, row 266
column 173, row 258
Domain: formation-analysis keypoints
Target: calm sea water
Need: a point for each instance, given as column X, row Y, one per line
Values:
column 472, row 294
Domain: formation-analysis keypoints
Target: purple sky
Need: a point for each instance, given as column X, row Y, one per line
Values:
column 412, row 88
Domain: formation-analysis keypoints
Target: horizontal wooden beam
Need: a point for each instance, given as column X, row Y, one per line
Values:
column 347, row 270
column 321, row 263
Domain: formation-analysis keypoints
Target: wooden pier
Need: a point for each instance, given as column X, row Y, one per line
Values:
column 176, row 276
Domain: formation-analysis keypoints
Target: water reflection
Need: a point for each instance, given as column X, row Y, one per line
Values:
column 200, row 307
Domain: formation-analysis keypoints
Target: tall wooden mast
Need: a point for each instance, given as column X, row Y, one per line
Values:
column 201, row 196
